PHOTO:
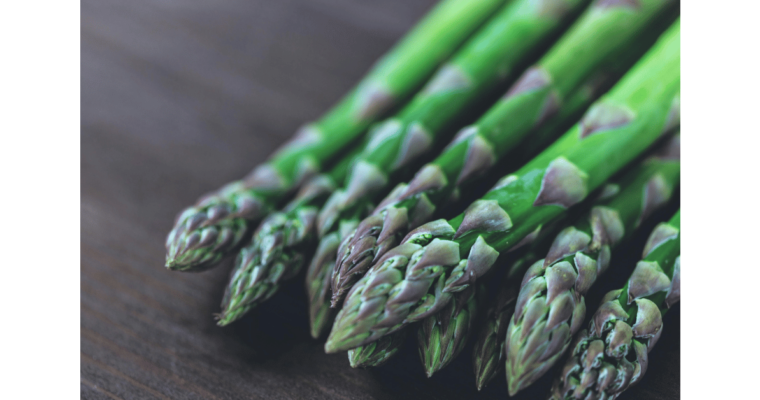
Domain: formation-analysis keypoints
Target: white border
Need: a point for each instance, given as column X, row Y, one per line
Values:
column 39, row 168
column 720, row 303
column 39, row 174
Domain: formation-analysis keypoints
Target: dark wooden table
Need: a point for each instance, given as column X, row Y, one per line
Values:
column 179, row 97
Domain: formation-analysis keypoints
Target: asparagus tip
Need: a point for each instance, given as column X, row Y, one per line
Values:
column 225, row 318
column 330, row 347
column 479, row 381
column 340, row 340
column 513, row 385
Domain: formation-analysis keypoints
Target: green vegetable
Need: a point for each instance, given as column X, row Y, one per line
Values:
column 417, row 278
column 644, row 181
column 215, row 226
column 511, row 38
column 598, row 42
column 441, row 337
column 551, row 304
column 377, row 353
column 274, row 253
column 488, row 353
column 612, row 354
column 318, row 280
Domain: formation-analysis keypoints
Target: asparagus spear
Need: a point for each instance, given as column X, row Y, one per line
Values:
column 274, row 253
column 206, row 232
column 551, row 303
column 418, row 277
column 441, row 337
column 379, row 352
column 489, row 355
column 511, row 38
column 318, row 280
column 601, row 37
column 612, row 354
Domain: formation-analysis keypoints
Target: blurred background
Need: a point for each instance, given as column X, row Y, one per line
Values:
column 179, row 97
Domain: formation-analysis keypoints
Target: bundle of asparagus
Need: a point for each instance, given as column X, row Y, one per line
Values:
column 551, row 303
column 549, row 313
column 512, row 35
column 363, row 208
column 613, row 353
column 204, row 233
column 417, row 278
column 597, row 44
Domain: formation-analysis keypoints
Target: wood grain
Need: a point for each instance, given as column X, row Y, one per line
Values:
column 179, row 97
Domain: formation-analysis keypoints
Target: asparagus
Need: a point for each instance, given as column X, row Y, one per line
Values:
column 417, row 278
column 441, row 337
column 601, row 37
column 551, row 304
column 215, row 226
column 318, row 280
column 612, row 354
column 488, row 354
column 361, row 246
column 509, row 39
column 274, row 253
column 377, row 353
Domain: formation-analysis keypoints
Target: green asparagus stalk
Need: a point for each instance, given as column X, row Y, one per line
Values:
column 612, row 354
column 510, row 39
column 215, row 226
column 491, row 56
column 318, row 278
column 489, row 356
column 601, row 37
column 417, row 278
column 441, row 337
column 551, row 303
column 379, row 352
column 275, row 252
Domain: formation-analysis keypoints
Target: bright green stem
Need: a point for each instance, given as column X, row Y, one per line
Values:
column 601, row 36
column 215, row 226
column 440, row 258
column 516, row 34
column 513, row 37
column 593, row 43
column 589, row 49
column 546, row 96
column 643, row 99
column 395, row 76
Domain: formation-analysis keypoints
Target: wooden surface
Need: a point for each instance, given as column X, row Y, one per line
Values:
column 179, row 97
